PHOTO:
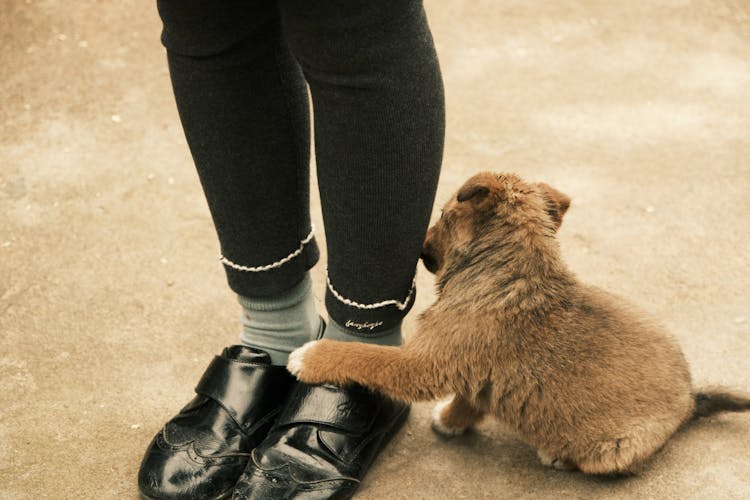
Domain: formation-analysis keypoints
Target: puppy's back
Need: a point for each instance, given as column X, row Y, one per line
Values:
column 632, row 366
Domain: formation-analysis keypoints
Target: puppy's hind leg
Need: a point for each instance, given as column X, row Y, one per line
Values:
column 451, row 418
column 622, row 456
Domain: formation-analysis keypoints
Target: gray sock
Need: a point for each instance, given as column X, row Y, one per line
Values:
column 334, row 331
column 280, row 324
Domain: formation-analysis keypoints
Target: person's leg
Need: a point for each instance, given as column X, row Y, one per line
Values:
column 243, row 105
column 379, row 128
column 379, row 124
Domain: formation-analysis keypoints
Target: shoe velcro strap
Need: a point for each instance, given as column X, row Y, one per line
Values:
column 350, row 410
column 245, row 390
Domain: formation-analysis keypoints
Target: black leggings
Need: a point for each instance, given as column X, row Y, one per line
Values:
column 239, row 69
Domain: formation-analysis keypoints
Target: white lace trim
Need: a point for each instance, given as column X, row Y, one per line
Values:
column 391, row 302
column 272, row 265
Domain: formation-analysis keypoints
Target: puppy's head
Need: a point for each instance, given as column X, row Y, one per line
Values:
column 485, row 201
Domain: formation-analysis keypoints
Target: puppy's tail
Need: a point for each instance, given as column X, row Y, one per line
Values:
column 711, row 400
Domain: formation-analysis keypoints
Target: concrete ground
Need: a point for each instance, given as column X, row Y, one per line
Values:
column 112, row 299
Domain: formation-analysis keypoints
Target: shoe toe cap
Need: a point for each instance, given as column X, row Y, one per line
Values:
column 257, row 484
column 169, row 474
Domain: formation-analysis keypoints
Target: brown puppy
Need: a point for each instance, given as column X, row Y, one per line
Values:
column 585, row 379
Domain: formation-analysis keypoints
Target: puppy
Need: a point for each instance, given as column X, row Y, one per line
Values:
column 585, row 379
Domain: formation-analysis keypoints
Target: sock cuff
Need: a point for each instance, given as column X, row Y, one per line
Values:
column 284, row 300
column 392, row 336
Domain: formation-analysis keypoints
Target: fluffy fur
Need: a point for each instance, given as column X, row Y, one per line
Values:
column 584, row 378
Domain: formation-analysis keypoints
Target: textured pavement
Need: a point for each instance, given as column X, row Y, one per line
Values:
column 113, row 301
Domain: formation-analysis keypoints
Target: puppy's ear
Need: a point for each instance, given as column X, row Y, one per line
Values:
column 477, row 190
column 557, row 203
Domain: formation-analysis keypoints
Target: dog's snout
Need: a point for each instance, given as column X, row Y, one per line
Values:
column 429, row 262
column 428, row 258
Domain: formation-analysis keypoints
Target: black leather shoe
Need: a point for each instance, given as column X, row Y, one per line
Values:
column 322, row 444
column 201, row 452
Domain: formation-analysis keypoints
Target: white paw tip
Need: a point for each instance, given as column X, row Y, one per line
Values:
column 554, row 462
column 558, row 464
column 297, row 358
column 438, row 425
column 545, row 458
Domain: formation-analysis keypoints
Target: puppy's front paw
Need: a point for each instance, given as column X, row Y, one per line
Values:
column 439, row 424
column 316, row 362
column 296, row 362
